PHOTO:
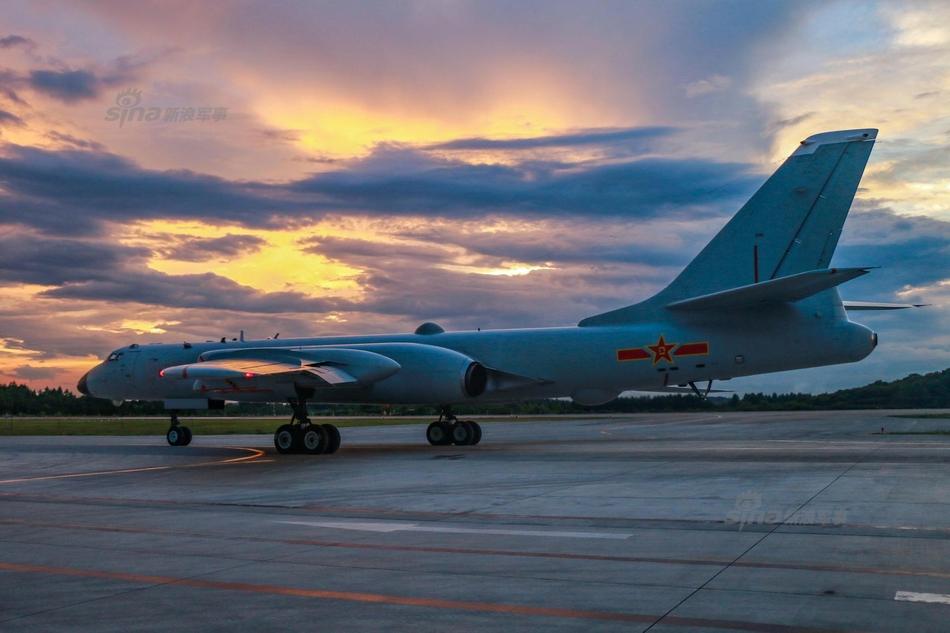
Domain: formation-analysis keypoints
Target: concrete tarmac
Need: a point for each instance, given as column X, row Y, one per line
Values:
column 713, row 522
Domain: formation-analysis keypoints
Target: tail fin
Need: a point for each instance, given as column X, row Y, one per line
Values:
column 790, row 225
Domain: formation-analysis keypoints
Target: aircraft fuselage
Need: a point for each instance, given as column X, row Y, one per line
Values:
column 590, row 364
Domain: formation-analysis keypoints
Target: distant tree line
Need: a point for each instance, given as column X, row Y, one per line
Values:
column 912, row 392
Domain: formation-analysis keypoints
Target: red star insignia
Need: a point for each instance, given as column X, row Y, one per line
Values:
column 661, row 351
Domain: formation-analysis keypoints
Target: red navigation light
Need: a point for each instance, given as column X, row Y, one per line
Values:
column 248, row 374
column 162, row 373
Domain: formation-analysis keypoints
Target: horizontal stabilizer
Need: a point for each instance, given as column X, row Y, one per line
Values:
column 783, row 289
column 871, row 305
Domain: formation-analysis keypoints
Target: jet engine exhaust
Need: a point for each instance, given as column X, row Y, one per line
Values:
column 476, row 379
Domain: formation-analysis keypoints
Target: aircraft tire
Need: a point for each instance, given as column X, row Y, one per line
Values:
column 285, row 439
column 175, row 436
column 477, row 437
column 438, row 434
column 333, row 438
column 462, row 433
column 314, row 440
column 186, row 440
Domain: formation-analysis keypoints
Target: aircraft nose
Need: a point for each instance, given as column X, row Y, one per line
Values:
column 83, row 387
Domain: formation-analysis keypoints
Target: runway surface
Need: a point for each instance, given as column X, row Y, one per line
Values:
column 763, row 522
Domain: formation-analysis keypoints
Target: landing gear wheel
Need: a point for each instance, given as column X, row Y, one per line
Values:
column 186, row 440
column 176, row 436
column 438, row 434
column 477, row 435
column 333, row 439
column 285, row 439
column 313, row 439
column 462, row 433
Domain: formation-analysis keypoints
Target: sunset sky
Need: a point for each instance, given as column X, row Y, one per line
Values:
column 356, row 167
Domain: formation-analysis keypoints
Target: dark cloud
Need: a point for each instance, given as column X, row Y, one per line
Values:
column 71, row 85
column 401, row 180
column 29, row 372
column 789, row 122
column 66, row 85
column 320, row 160
column 910, row 251
column 356, row 251
column 97, row 271
column 285, row 136
column 912, row 161
column 435, row 281
column 75, row 142
column 50, row 189
column 597, row 136
column 559, row 243
column 16, row 40
column 51, row 329
column 206, row 290
column 50, row 262
column 8, row 118
column 9, row 80
column 416, row 283
column 462, row 300
column 199, row 249
column 73, row 191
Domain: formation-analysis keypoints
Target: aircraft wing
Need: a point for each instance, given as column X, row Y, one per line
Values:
column 335, row 366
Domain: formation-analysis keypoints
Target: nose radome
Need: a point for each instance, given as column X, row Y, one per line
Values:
column 82, row 386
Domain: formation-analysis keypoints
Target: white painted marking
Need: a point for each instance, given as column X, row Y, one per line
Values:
column 913, row 596
column 402, row 526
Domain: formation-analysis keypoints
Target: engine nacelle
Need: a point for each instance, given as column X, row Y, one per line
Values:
column 428, row 374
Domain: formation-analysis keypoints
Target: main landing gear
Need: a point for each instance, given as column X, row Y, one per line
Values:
column 450, row 430
column 177, row 434
column 304, row 436
column 702, row 394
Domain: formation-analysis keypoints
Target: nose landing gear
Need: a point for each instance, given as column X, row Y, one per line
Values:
column 450, row 430
column 177, row 434
column 304, row 436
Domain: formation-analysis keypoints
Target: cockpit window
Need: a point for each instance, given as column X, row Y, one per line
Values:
column 113, row 356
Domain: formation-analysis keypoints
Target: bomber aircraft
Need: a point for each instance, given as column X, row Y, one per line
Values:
column 760, row 297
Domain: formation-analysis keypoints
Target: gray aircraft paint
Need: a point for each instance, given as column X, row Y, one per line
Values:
column 791, row 225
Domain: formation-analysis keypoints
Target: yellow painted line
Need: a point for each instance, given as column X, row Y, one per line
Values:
column 254, row 454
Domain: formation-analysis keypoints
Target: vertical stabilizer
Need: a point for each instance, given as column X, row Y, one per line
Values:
column 790, row 225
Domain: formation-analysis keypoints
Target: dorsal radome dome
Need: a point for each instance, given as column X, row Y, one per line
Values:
column 429, row 328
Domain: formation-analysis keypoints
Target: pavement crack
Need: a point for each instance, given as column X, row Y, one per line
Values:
column 756, row 543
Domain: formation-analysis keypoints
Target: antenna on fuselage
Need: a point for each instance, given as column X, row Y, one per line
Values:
column 242, row 336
